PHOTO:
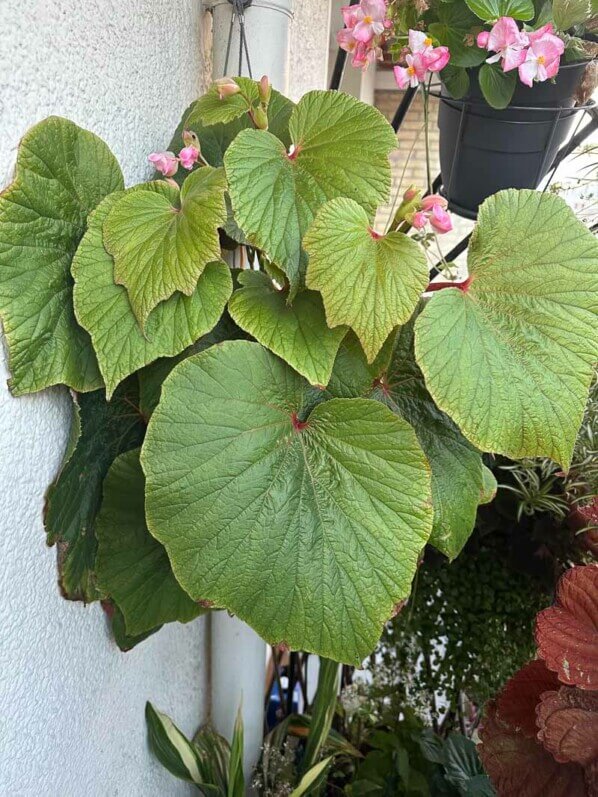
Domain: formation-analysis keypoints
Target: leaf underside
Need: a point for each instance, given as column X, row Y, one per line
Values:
column 62, row 173
column 309, row 530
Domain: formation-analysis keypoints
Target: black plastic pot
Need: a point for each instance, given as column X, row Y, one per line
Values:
column 484, row 150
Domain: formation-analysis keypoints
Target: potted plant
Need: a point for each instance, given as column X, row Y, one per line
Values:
column 509, row 75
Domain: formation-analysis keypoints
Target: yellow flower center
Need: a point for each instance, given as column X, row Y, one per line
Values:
column 541, row 60
column 428, row 42
column 411, row 70
column 368, row 20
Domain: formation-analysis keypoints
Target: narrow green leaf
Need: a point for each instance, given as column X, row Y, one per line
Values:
column 369, row 282
column 275, row 195
column 491, row 10
column 172, row 749
column 511, row 359
column 297, row 332
column 307, row 525
column 236, row 780
column 101, row 306
column 311, row 778
column 161, row 238
column 106, row 429
column 132, row 567
column 497, row 86
column 62, row 173
column 322, row 712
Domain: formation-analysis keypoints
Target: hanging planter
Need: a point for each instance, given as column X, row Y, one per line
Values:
column 484, row 149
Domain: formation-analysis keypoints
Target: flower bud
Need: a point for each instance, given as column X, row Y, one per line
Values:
column 260, row 118
column 164, row 162
column 411, row 193
column 482, row 39
column 265, row 90
column 226, row 87
column 410, row 204
column 190, row 139
column 189, row 157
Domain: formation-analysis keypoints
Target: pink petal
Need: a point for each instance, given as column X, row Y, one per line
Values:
column 503, row 33
column 419, row 220
column 419, row 63
column 528, row 71
column 537, row 34
column 352, row 15
column 346, row 40
column 437, row 58
column 428, row 202
column 417, row 41
column 374, row 8
column 513, row 57
column 363, row 32
column 482, row 39
column 440, row 219
column 402, row 77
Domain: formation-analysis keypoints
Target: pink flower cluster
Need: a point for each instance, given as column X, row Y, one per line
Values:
column 536, row 55
column 421, row 58
column 168, row 163
column 365, row 25
column 433, row 211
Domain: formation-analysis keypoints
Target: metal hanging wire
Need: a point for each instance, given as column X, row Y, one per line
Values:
column 238, row 14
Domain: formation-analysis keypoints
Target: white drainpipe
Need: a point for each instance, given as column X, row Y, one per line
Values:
column 237, row 654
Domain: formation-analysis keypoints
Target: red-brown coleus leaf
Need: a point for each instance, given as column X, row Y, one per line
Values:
column 567, row 633
column 568, row 723
column 520, row 767
column 516, row 704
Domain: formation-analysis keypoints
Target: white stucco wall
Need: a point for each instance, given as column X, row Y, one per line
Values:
column 309, row 46
column 71, row 705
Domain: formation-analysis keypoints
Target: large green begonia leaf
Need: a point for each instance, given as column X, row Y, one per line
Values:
column 458, row 478
column 131, row 566
column 212, row 109
column 101, row 431
column 296, row 332
column 340, row 147
column 62, row 173
column 102, row 307
column 307, row 525
column 369, row 282
column 490, row 10
column 162, row 239
column 511, row 358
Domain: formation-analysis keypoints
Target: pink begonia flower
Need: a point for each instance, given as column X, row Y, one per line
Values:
column 189, row 157
column 419, row 220
column 412, row 74
column 364, row 55
column 371, row 16
column 482, row 39
column 435, row 58
column 542, row 60
column 545, row 30
column 440, row 219
column 164, row 162
column 350, row 15
column 508, row 43
column 428, row 202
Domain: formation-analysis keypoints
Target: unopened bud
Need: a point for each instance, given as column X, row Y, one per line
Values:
column 260, row 118
column 190, row 139
column 265, row 90
column 226, row 87
column 410, row 204
column 409, row 194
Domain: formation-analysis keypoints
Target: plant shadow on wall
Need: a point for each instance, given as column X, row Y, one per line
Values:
column 281, row 441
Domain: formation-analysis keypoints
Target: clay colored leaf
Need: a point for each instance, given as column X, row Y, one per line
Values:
column 567, row 633
column 520, row 696
column 62, row 173
column 101, row 431
column 103, row 308
column 340, row 147
column 568, row 722
column 511, row 358
column 296, row 332
column 458, row 485
column 518, row 765
column 306, row 524
column 162, row 239
column 132, row 567
column 369, row 282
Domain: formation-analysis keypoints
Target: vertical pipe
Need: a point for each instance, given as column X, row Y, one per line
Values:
column 237, row 654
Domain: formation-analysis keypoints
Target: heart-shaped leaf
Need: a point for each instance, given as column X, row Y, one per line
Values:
column 132, row 567
column 340, row 148
column 511, row 358
column 101, row 431
column 62, row 173
column 491, row 10
column 517, row 701
column 307, row 525
column 497, row 86
column 296, row 332
column 369, row 282
column 455, row 29
column 213, row 109
column 162, row 239
column 457, row 471
column 101, row 306
column 567, row 633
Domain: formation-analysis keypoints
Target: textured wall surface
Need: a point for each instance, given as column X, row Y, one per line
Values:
column 71, row 705
column 309, row 46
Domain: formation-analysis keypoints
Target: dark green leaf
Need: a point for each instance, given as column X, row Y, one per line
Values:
column 455, row 29
column 456, row 80
column 117, row 623
column 497, row 86
column 172, row 749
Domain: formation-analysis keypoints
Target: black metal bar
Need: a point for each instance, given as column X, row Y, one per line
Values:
column 404, row 106
column 339, row 64
column 578, row 138
column 542, row 166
